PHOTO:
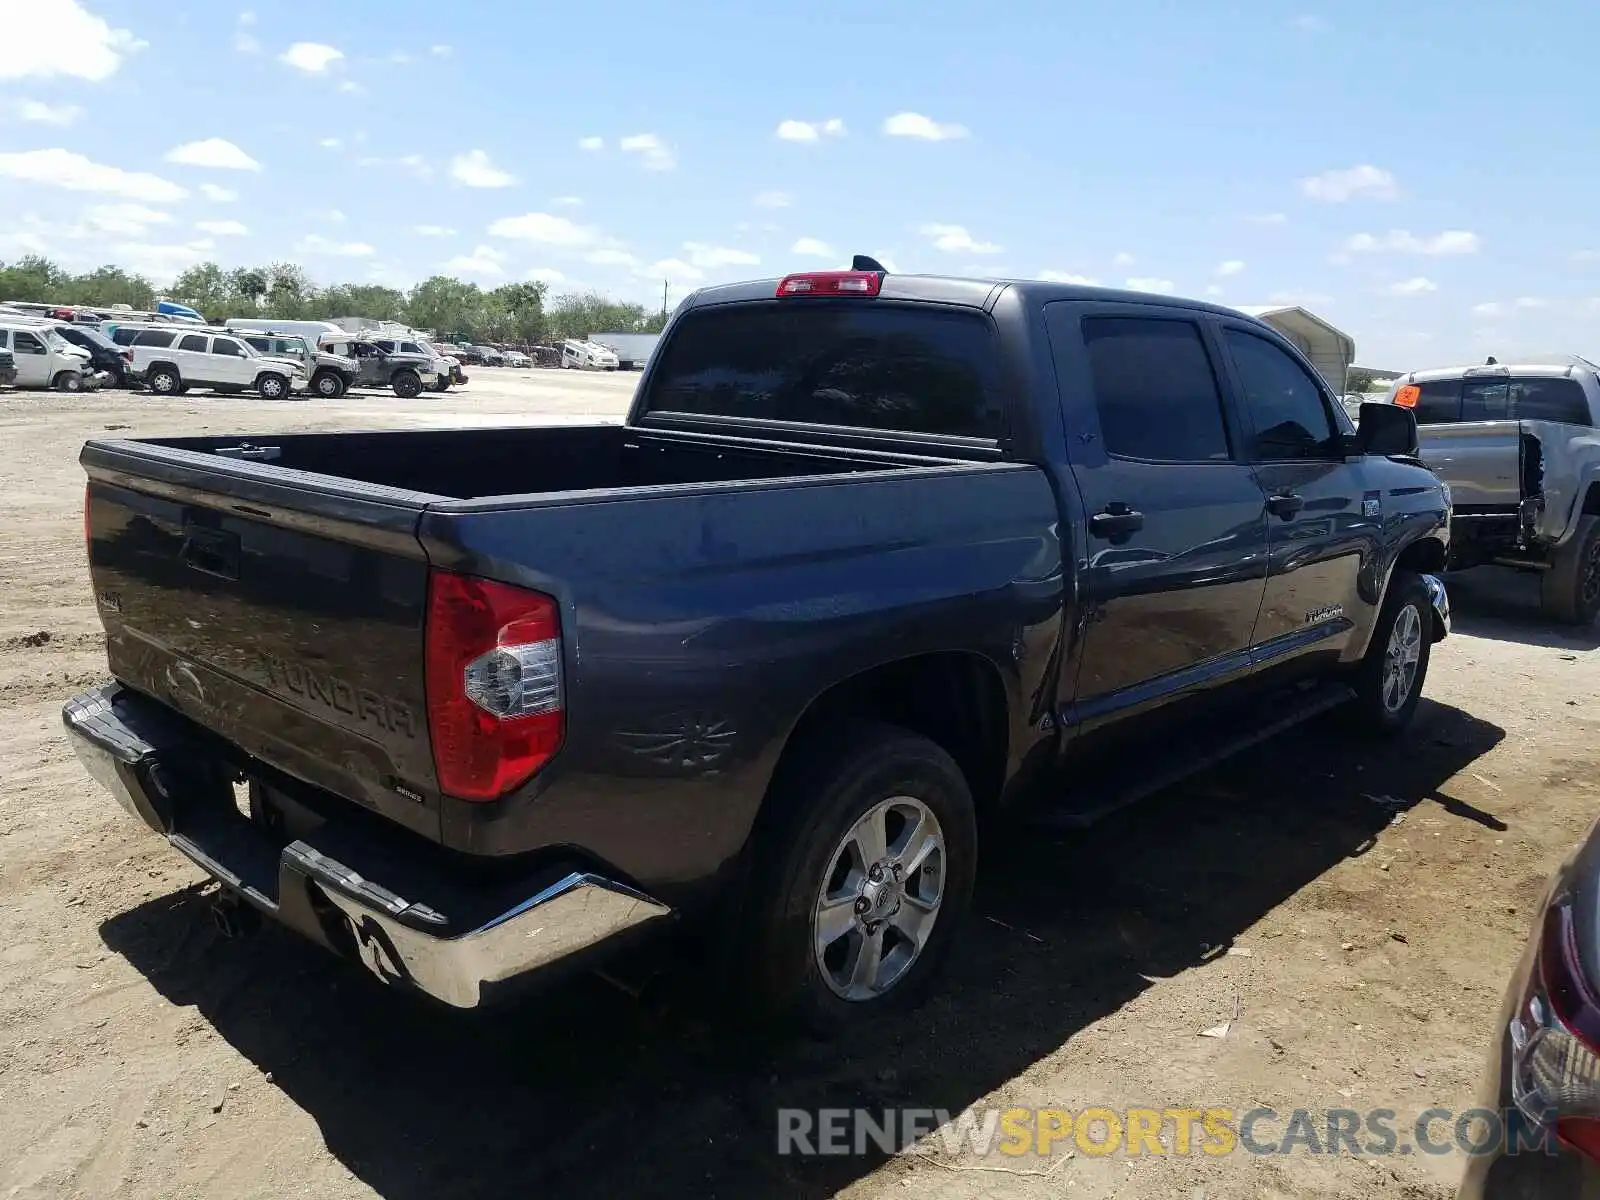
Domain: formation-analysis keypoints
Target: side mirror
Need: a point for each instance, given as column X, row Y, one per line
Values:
column 1387, row 429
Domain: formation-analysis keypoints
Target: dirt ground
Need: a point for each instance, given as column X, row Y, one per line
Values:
column 1352, row 912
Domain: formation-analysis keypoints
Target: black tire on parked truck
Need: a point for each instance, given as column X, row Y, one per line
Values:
column 407, row 384
column 1388, row 683
column 328, row 384
column 273, row 386
column 866, row 857
column 1570, row 590
column 442, row 384
column 68, row 381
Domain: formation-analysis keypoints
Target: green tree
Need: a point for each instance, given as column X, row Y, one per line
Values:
column 449, row 307
column 578, row 315
column 247, row 286
column 207, row 288
column 35, row 279
column 110, row 285
column 363, row 300
column 516, row 312
column 290, row 291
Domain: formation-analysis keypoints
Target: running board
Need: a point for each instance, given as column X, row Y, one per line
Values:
column 1117, row 789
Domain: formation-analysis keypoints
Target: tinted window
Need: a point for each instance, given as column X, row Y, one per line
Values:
column 410, row 348
column 386, row 347
column 1286, row 406
column 192, row 341
column 260, row 343
column 153, row 337
column 27, row 343
column 1550, row 400
column 826, row 362
column 124, row 336
column 1439, row 402
column 1154, row 389
column 5, row 339
column 1485, row 400
column 228, row 347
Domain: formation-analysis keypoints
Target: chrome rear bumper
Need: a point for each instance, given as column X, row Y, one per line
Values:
column 413, row 929
column 1440, row 598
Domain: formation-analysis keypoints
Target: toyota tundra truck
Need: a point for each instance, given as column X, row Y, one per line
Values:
column 874, row 562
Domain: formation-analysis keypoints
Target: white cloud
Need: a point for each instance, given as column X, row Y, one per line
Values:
column 611, row 256
column 810, row 131
column 592, row 144
column 220, row 194
column 243, row 40
column 1122, row 259
column 1528, row 302
column 1272, row 218
column 1301, row 299
column 474, row 169
column 673, row 270
column 1068, row 277
column 441, row 50
column 313, row 58
column 567, row 201
column 329, row 143
column 46, row 114
column 352, row 88
column 161, row 263
column 654, row 154
column 772, row 200
column 1451, row 241
column 544, row 229
column 45, row 38
column 814, row 247
column 1364, row 182
column 1213, row 290
column 954, row 239
column 1308, row 23
column 330, row 214
column 414, row 164
column 64, row 169
column 1489, row 308
column 215, row 153
column 432, row 231
column 223, row 228
column 315, row 243
column 1232, row 267
column 128, row 220
column 1586, row 256
column 712, row 257
column 1412, row 287
column 1149, row 283
column 915, row 125
column 545, row 275
column 484, row 260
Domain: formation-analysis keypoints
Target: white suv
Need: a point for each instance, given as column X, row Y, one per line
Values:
column 174, row 359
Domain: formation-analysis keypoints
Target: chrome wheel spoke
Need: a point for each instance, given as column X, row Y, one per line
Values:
column 866, row 962
column 835, row 918
column 870, row 836
column 915, row 921
column 914, row 846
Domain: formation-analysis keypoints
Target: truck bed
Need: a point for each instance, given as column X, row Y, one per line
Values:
column 708, row 588
column 464, row 464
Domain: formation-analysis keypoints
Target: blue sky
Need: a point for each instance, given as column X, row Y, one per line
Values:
column 1423, row 175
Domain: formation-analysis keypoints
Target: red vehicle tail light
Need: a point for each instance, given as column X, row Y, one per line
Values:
column 494, row 684
column 1555, row 1069
column 831, row 283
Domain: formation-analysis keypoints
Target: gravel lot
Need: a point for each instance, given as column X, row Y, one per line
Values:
column 1382, row 896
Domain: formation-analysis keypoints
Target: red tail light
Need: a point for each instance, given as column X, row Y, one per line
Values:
column 831, row 283
column 495, row 703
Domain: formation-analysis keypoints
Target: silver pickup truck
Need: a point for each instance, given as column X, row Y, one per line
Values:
column 1519, row 447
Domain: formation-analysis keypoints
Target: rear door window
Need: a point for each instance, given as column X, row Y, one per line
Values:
column 192, row 341
column 1155, row 390
column 1438, row 402
column 1291, row 417
column 124, row 336
column 410, row 348
column 228, row 347
column 27, row 343
column 1549, row 400
column 1486, row 399
column 158, row 338
column 865, row 365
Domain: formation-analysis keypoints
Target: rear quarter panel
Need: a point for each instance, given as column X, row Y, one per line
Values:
column 1480, row 460
column 699, row 625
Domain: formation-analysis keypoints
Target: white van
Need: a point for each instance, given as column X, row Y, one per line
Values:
column 45, row 359
column 586, row 356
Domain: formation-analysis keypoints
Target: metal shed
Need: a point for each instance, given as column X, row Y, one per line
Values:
column 1330, row 350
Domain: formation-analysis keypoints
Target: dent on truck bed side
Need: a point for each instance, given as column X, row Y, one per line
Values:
column 699, row 625
column 1570, row 460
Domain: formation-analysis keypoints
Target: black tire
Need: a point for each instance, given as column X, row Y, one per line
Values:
column 1385, row 699
column 1570, row 590
column 69, row 381
column 836, row 781
column 441, row 384
column 328, row 384
column 407, row 385
column 273, row 386
column 164, row 380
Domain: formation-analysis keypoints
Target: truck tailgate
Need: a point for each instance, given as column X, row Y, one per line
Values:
column 281, row 609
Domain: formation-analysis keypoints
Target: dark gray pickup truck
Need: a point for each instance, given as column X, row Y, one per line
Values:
column 875, row 559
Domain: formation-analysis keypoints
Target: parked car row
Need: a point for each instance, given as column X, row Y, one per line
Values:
column 43, row 357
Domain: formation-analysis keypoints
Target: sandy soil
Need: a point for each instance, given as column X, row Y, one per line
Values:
column 1382, row 896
